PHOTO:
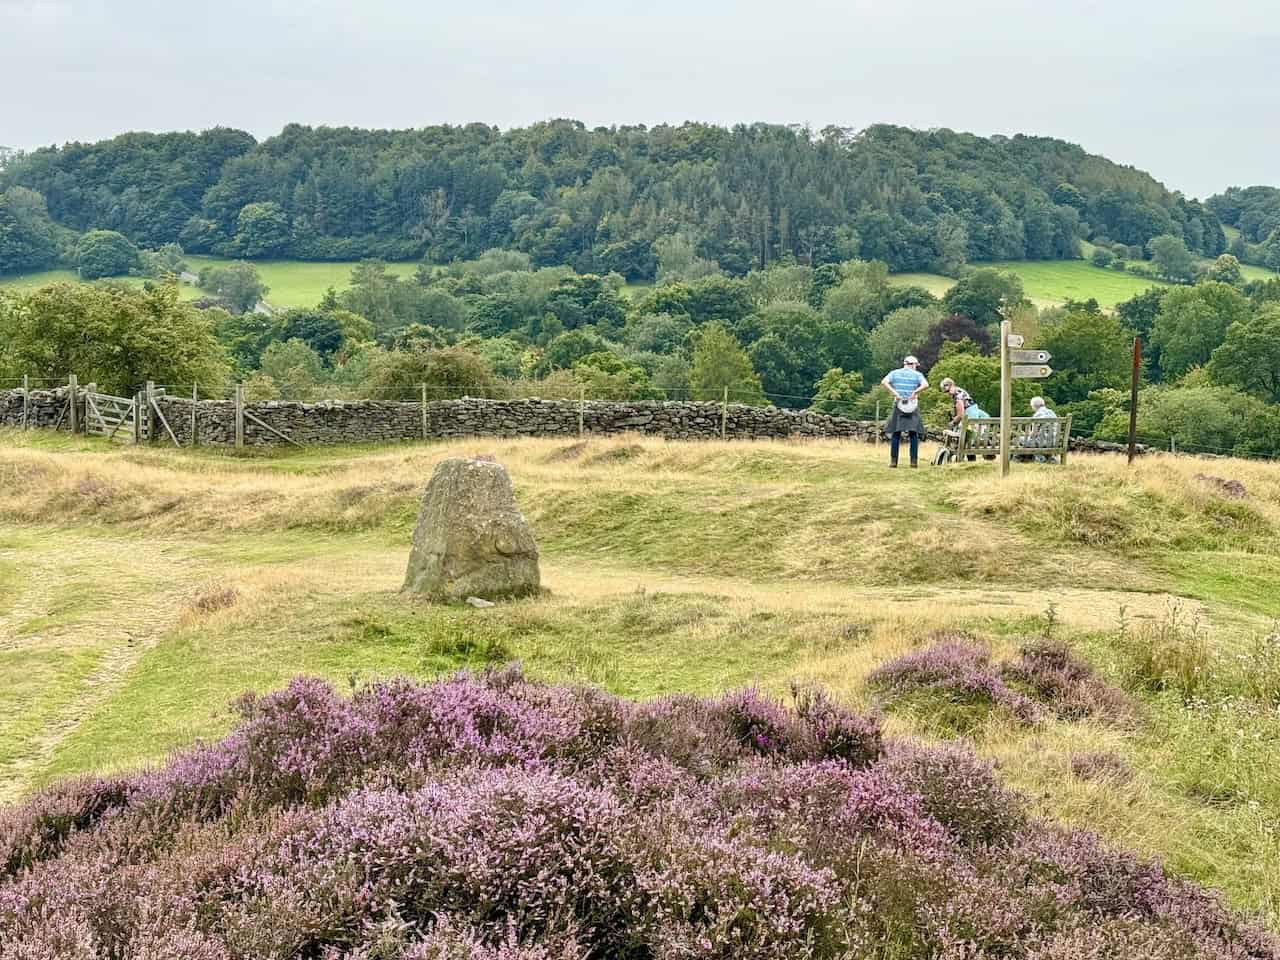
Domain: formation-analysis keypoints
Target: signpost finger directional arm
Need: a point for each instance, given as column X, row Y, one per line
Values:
column 1030, row 371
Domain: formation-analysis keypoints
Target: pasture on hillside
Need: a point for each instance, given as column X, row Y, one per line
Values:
column 299, row 283
column 144, row 589
column 1049, row 283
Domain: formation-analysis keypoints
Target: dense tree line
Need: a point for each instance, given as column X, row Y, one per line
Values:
column 1255, row 212
column 790, row 334
column 624, row 200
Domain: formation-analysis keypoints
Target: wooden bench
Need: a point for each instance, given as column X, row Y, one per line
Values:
column 1028, row 436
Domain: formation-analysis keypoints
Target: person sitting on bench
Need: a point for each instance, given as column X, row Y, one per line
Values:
column 964, row 407
column 1045, row 435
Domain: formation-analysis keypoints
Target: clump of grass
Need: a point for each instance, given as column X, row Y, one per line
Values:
column 211, row 598
column 1100, row 766
column 1169, row 653
column 1259, row 669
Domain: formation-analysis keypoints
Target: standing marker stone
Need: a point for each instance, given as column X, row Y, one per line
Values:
column 471, row 539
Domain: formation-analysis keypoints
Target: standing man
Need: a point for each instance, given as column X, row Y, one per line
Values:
column 906, row 384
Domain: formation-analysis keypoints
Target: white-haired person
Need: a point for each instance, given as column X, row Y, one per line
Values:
column 963, row 406
column 906, row 384
column 1044, row 435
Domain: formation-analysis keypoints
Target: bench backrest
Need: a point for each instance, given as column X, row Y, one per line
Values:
column 1026, row 435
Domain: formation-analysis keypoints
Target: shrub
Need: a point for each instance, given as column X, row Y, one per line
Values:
column 1049, row 672
column 956, row 671
column 489, row 817
column 959, row 790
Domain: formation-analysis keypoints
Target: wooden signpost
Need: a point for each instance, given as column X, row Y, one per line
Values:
column 1015, row 364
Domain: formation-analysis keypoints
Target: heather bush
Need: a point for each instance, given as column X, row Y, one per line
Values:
column 37, row 829
column 956, row 677
column 838, row 733
column 958, row 789
column 1047, row 671
column 488, row 817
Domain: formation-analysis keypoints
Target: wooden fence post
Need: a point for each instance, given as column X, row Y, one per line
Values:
column 424, row 410
column 1133, row 397
column 1006, row 397
column 195, row 403
column 724, row 414
column 582, row 405
column 878, row 427
column 239, row 416
column 137, row 418
column 151, row 410
column 26, row 402
column 73, row 390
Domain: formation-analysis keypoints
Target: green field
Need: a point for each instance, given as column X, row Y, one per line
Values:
column 1051, row 282
column 290, row 283
column 143, row 589
column 297, row 283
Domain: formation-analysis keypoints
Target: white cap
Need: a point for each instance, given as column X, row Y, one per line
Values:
column 909, row 359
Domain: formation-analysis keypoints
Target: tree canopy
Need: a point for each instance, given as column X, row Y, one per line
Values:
column 688, row 201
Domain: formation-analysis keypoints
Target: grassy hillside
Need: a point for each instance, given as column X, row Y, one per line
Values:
column 144, row 589
column 1052, row 282
column 290, row 283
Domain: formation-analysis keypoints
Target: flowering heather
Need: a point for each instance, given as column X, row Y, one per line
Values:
column 959, row 671
column 1050, row 673
column 491, row 818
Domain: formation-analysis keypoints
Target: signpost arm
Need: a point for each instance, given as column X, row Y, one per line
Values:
column 1006, row 398
column 1133, row 396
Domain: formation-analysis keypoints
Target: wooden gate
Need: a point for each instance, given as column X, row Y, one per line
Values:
column 108, row 416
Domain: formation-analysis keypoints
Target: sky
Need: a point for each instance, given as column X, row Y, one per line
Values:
column 1180, row 88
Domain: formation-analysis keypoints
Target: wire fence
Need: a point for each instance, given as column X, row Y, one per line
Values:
column 860, row 409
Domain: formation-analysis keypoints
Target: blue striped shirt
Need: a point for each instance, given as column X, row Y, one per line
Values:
column 904, row 381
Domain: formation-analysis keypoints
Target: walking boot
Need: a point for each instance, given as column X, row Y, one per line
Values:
column 915, row 464
column 893, row 463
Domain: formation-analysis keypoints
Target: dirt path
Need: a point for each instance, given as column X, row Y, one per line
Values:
column 102, row 601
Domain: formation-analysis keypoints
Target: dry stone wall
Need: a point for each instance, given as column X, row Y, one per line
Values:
column 361, row 421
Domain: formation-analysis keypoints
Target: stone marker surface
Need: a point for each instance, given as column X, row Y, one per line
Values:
column 471, row 539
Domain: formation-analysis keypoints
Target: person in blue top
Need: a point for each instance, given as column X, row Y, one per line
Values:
column 906, row 384
column 964, row 407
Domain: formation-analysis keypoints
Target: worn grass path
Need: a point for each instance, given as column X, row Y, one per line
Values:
column 83, row 610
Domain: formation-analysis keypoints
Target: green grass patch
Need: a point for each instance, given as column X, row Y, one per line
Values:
column 298, row 283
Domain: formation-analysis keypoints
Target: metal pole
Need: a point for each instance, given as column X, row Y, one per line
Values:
column 73, row 389
column 1006, row 399
column 239, row 416
column 26, row 402
column 878, row 429
column 1133, row 397
column 724, row 414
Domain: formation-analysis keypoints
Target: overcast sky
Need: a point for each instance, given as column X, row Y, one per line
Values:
column 1182, row 88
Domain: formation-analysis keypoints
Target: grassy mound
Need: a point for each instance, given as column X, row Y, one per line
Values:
column 489, row 816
